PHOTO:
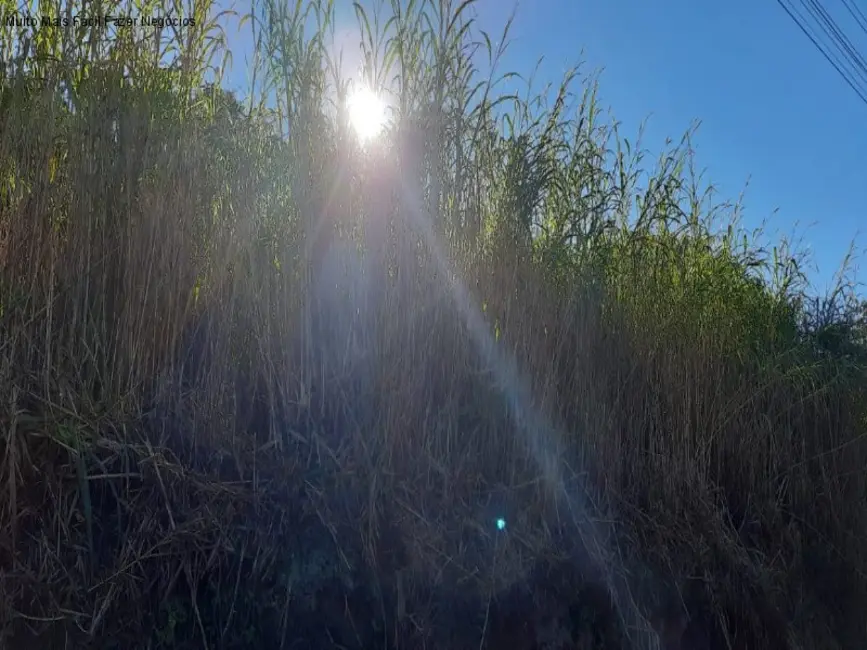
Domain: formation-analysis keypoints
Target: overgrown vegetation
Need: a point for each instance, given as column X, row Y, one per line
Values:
column 263, row 385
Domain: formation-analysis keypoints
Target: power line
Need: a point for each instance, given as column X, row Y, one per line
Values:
column 829, row 53
column 821, row 14
column 857, row 14
column 828, row 27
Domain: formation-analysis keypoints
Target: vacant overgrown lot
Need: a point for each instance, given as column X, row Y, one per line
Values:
column 263, row 386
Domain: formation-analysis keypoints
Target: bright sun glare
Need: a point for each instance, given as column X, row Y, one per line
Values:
column 366, row 112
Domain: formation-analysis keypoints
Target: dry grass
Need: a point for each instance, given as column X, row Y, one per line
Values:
column 211, row 431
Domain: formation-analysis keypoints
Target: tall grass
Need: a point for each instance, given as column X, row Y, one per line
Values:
column 252, row 369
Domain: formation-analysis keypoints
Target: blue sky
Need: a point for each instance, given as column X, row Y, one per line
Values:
column 772, row 109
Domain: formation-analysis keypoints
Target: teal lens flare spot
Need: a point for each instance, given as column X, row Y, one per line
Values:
column 501, row 524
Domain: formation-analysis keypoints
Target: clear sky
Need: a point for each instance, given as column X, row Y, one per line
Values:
column 772, row 109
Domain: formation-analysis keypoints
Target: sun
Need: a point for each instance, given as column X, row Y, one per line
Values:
column 366, row 113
